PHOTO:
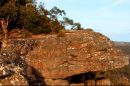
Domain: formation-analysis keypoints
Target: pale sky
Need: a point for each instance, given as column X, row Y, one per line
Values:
column 110, row 17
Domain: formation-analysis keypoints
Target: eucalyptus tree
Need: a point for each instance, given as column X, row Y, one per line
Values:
column 76, row 26
column 55, row 13
column 56, row 16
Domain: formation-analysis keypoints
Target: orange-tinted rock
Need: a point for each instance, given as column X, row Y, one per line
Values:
column 101, row 82
column 123, row 81
column 75, row 53
column 51, row 82
column 90, row 83
column 13, row 80
column 79, row 84
column 11, row 75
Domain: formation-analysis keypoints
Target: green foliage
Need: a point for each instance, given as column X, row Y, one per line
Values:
column 76, row 26
column 67, row 21
column 9, row 10
column 55, row 12
column 55, row 23
column 25, row 14
column 56, row 27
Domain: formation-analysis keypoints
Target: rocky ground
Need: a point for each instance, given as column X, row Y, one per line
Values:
column 77, row 58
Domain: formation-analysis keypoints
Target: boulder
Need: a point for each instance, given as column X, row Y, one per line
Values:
column 15, row 71
column 75, row 53
column 11, row 74
column 15, row 79
column 57, row 58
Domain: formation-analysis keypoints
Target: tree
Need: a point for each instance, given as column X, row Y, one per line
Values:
column 55, row 13
column 9, row 10
column 67, row 22
column 55, row 24
column 76, row 26
column 24, row 14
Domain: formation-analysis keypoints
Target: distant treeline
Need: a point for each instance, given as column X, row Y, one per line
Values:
column 25, row 14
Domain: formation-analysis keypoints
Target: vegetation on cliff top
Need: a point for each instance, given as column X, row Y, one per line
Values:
column 25, row 14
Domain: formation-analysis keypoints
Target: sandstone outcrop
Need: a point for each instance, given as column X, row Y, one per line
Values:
column 77, row 52
column 14, row 70
column 10, row 74
column 58, row 59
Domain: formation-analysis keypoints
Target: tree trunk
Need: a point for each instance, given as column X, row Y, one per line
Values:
column 4, row 25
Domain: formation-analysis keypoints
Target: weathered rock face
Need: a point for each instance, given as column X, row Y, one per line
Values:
column 13, row 68
column 11, row 74
column 77, row 52
column 61, row 57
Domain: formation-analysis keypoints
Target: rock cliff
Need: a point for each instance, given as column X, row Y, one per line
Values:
column 58, row 59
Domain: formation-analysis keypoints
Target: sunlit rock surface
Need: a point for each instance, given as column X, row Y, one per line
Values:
column 57, row 57
column 77, row 52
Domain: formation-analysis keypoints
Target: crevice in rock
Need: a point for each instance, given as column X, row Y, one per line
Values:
column 81, row 78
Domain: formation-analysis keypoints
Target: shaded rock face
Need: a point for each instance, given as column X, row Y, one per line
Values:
column 55, row 58
column 13, row 68
column 10, row 74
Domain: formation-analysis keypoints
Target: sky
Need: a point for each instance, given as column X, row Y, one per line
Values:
column 110, row 17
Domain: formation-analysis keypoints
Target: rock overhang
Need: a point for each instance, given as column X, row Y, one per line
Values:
column 75, row 53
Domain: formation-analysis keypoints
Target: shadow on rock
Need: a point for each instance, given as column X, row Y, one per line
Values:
column 32, row 75
column 36, row 79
